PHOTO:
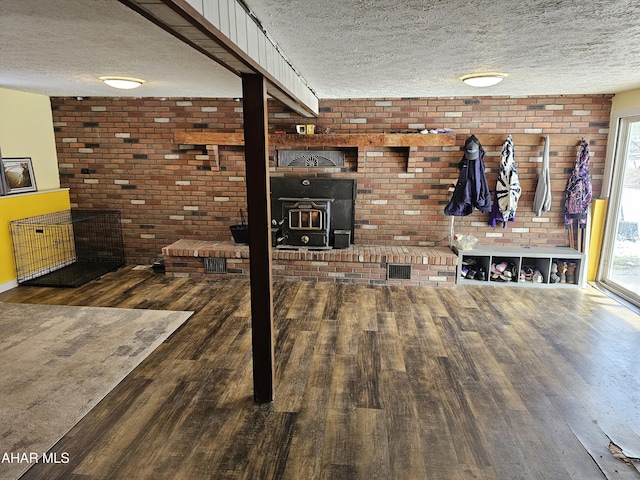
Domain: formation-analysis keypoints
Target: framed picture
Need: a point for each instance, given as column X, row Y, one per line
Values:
column 18, row 174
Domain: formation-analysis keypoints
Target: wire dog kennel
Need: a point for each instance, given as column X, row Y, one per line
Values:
column 68, row 248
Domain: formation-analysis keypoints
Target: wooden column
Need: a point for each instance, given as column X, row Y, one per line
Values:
column 259, row 214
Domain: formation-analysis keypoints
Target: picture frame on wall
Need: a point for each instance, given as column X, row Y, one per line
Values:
column 18, row 175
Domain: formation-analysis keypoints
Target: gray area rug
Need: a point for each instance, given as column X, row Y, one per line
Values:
column 57, row 362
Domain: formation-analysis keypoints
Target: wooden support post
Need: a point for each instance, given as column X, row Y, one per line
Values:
column 259, row 214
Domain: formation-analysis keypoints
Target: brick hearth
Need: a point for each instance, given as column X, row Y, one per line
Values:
column 433, row 266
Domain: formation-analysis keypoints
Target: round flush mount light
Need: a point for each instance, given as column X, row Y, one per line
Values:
column 483, row 79
column 123, row 83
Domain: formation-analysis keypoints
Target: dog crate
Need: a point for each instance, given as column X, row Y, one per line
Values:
column 68, row 248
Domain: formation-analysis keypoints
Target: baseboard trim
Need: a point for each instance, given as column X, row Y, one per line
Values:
column 8, row 285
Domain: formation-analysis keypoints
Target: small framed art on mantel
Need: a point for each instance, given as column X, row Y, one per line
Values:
column 18, row 175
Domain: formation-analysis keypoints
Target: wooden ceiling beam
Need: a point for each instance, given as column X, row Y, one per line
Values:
column 226, row 32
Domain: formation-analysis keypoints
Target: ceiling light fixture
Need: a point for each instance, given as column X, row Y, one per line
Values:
column 483, row 79
column 123, row 83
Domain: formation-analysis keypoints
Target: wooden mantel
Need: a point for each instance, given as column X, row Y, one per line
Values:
column 363, row 140
column 295, row 140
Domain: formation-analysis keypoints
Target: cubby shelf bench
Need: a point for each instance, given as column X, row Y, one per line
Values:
column 540, row 258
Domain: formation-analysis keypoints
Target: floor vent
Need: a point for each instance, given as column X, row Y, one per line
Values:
column 215, row 265
column 398, row 272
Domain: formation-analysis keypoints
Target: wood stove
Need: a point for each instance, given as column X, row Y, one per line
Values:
column 307, row 221
column 316, row 213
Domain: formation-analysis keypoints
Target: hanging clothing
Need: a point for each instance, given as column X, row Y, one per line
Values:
column 542, row 199
column 508, row 190
column 471, row 190
column 579, row 190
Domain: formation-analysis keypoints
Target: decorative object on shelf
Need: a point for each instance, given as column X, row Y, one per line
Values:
column 508, row 189
column 310, row 158
column 471, row 190
column 465, row 242
column 436, row 130
column 18, row 176
column 542, row 199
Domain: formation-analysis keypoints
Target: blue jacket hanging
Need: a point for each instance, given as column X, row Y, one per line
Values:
column 579, row 190
column 508, row 190
column 471, row 190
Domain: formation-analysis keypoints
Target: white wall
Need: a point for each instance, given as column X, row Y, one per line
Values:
column 624, row 104
column 26, row 130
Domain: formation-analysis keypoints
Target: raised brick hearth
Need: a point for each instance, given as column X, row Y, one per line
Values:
column 433, row 266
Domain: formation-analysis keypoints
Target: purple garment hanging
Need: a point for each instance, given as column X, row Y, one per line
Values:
column 579, row 191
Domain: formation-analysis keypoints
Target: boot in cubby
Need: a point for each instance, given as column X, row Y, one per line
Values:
column 562, row 271
column 554, row 277
column 571, row 272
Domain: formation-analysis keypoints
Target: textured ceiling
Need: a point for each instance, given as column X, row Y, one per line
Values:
column 61, row 47
column 421, row 48
column 343, row 48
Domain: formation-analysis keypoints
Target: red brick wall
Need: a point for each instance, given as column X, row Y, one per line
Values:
column 119, row 154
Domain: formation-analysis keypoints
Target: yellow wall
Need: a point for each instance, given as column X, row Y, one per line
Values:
column 26, row 130
column 625, row 100
column 598, row 215
column 14, row 207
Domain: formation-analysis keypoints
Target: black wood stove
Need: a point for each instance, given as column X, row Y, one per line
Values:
column 307, row 221
column 315, row 213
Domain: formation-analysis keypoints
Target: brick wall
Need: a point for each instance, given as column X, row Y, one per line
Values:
column 118, row 153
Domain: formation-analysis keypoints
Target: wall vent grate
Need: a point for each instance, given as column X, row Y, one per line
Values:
column 215, row 265
column 398, row 271
column 310, row 158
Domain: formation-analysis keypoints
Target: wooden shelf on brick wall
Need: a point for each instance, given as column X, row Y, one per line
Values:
column 529, row 139
column 364, row 142
column 346, row 140
column 208, row 138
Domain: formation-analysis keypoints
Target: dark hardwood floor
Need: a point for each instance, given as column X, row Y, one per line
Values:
column 486, row 382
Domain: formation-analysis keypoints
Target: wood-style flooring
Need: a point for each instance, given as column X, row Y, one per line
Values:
column 486, row 382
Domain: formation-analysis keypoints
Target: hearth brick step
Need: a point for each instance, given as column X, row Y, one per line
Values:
column 434, row 266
